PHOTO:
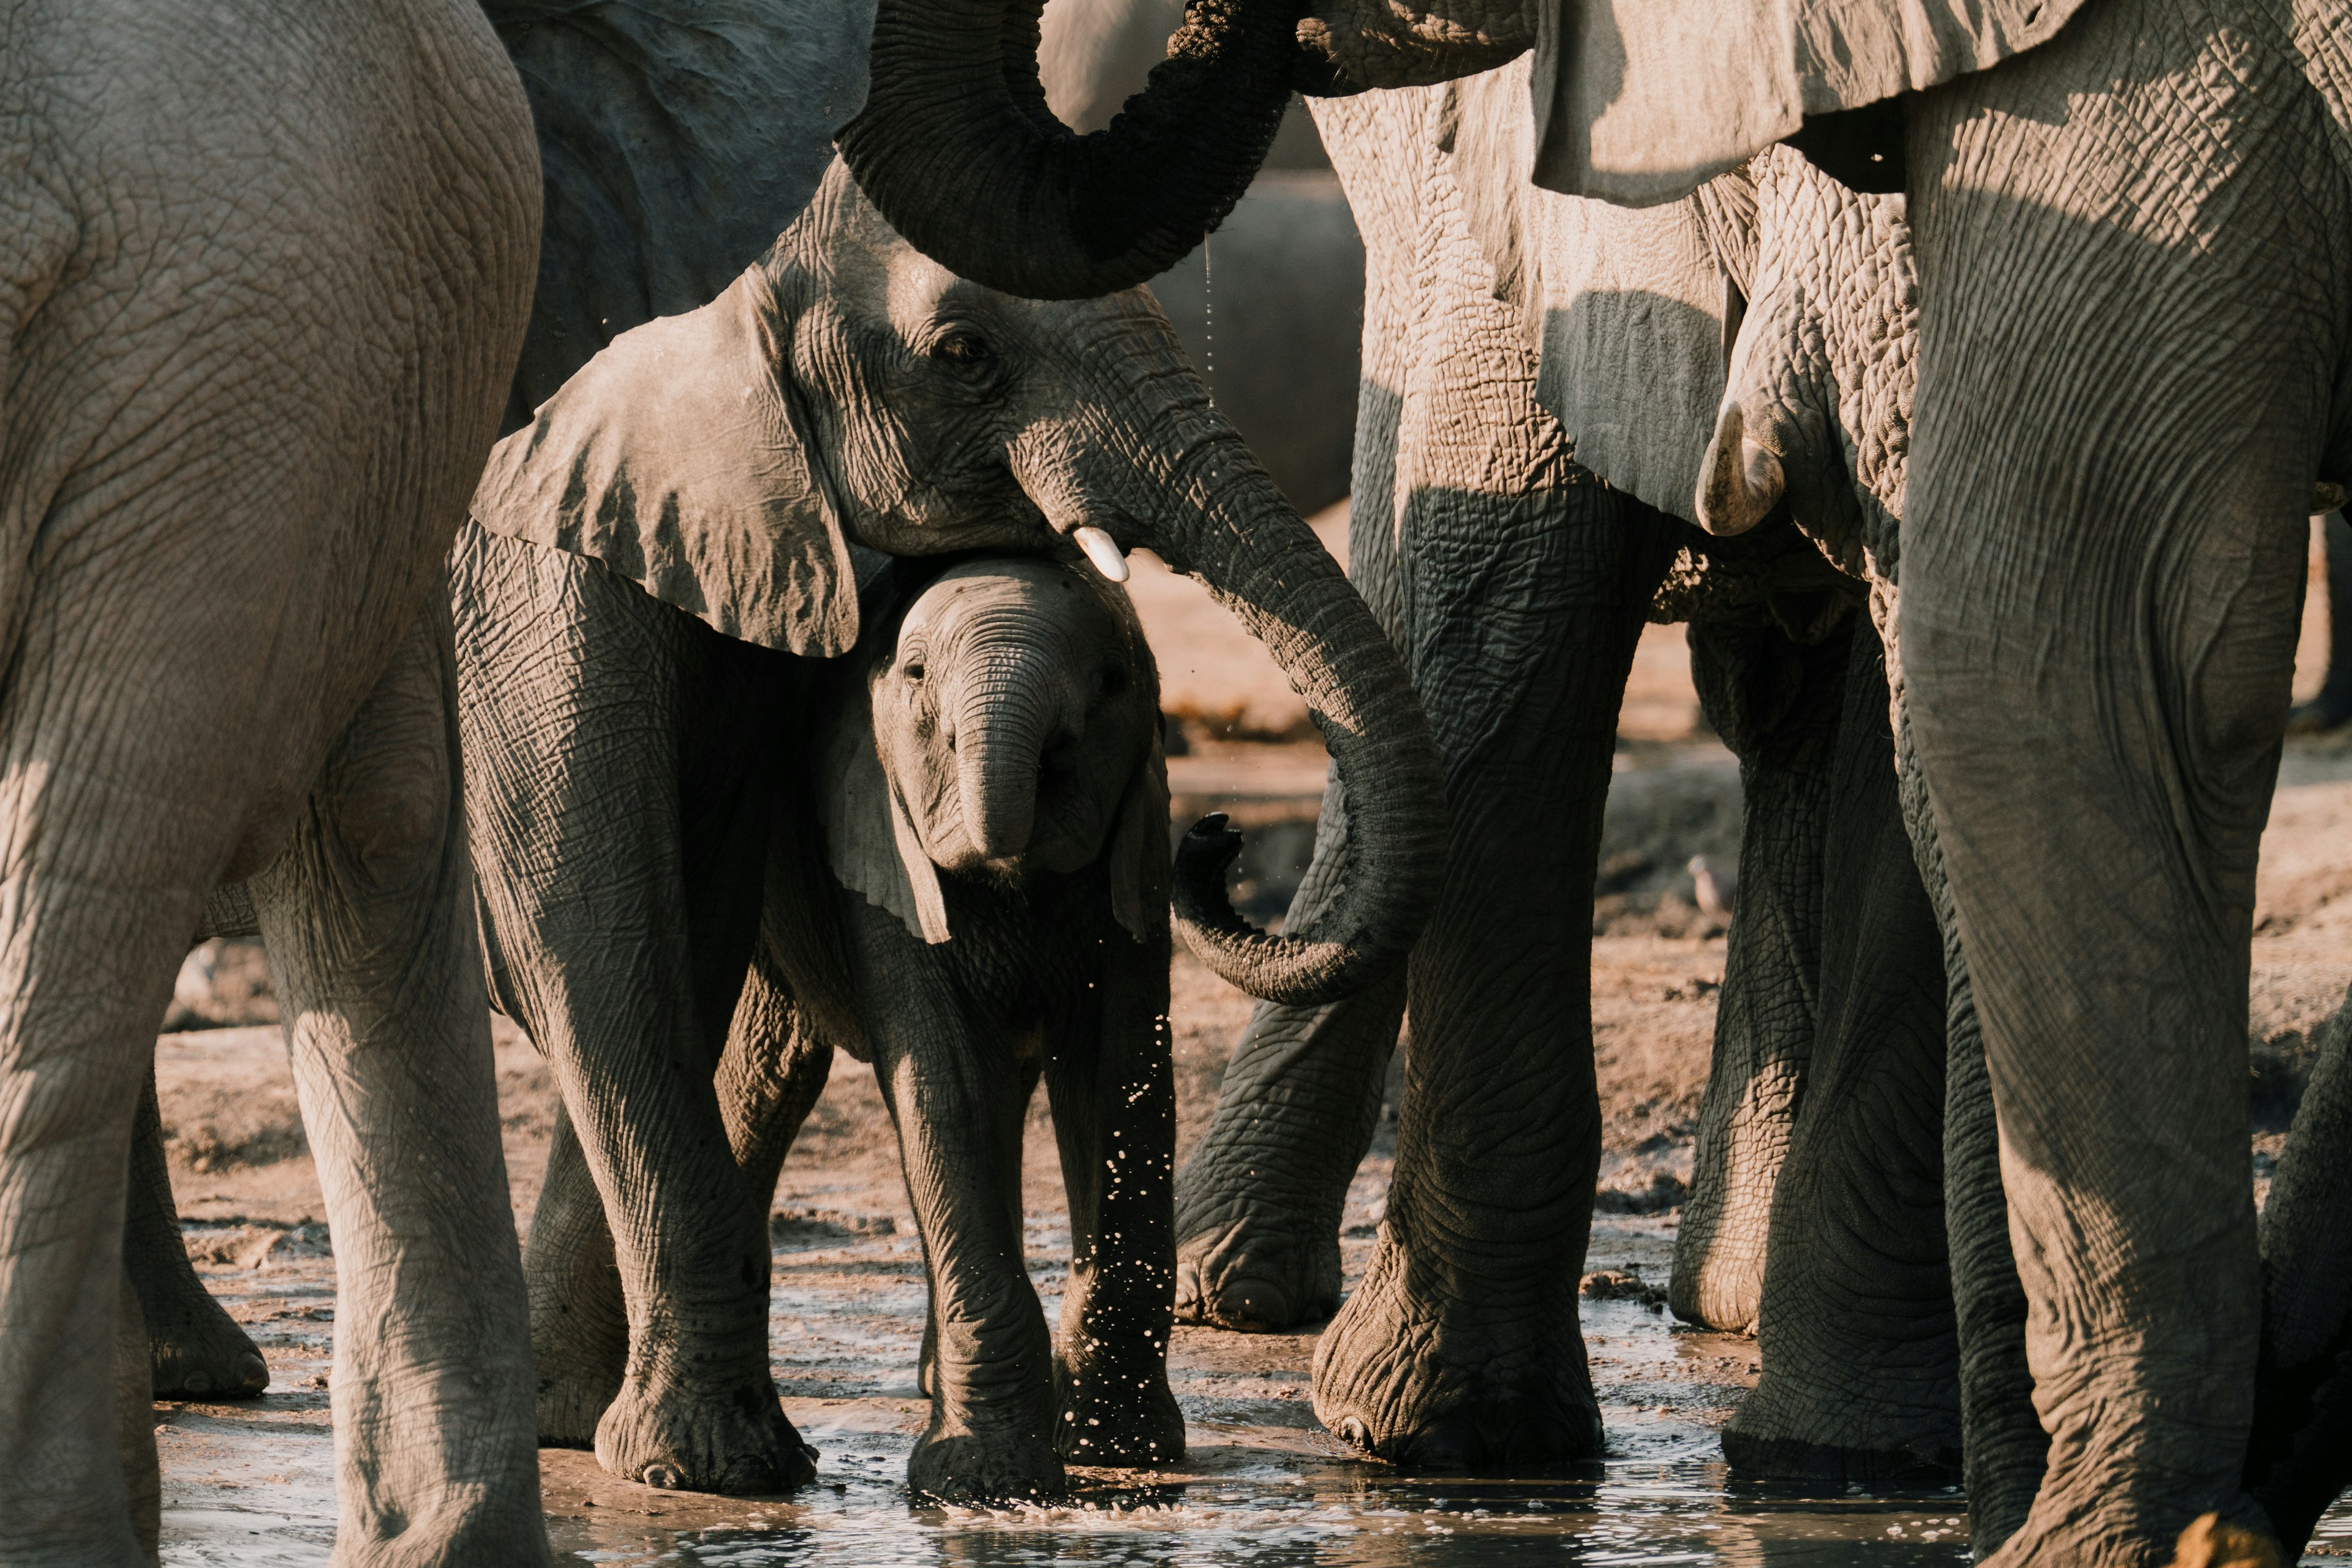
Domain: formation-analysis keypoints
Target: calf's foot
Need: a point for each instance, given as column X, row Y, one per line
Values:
column 735, row 1440
column 201, row 1352
column 573, row 1400
column 990, row 1466
column 1117, row 1414
column 1417, row 1378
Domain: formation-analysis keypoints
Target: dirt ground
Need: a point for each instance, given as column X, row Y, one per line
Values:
column 253, row 1483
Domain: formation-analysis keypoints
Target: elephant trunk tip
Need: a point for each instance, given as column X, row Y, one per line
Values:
column 1293, row 971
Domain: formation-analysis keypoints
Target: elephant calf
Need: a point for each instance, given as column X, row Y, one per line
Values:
column 970, row 893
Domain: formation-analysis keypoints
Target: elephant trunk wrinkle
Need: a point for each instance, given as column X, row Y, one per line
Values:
column 1006, row 718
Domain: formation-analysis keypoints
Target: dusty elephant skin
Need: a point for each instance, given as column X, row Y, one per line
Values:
column 622, row 751
column 2126, row 227
column 200, row 163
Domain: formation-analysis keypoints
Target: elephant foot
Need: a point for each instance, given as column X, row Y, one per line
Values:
column 989, row 1467
column 734, row 1441
column 1438, row 1384
column 1118, row 1416
column 1258, row 1278
column 1906, row 1468
column 571, row 1402
column 202, row 1352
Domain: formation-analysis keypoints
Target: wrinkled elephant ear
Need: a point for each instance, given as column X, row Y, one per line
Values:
column 677, row 138
column 676, row 458
column 869, row 839
column 1140, row 872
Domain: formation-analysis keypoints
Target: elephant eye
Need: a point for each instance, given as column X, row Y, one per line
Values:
column 1113, row 681
column 964, row 350
column 914, row 670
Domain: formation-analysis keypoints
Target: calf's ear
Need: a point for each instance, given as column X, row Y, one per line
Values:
column 869, row 839
column 677, row 459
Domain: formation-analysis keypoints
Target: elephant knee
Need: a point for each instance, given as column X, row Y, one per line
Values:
column 387, row 811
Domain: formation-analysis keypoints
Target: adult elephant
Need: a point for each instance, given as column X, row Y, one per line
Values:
column 652, row 566
column 267, row 282
column 2155, row 160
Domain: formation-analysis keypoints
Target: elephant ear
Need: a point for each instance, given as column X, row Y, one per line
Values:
column 677, row 458
column 1139, row 875
column 869, row 838
column 1643, row 103
column 678, row 138
column 1598, row 287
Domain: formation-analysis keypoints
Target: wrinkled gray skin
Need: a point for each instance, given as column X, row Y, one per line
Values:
column 229, row 661
column 672, row 145
column 1886, row 1348
column 621, row 754
column 1009, row 722
column 1531, row 658
column 2140, row 440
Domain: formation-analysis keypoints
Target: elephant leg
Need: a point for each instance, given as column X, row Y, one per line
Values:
column 199, row 1350
column 1113, row 1091
column 1258, row 1203
column 1777, row 705
column 1462, row 1346
column 2003, row 1447
column 2300, row 1459
column 1854, row 1327
column 957, row 1103
column 367, row 916
column 2122, row 401
column 579, row 1316
column 135, row 1404
column 613, row 838
column 769, row 1076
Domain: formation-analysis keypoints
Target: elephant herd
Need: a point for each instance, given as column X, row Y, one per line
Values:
column 697, row 646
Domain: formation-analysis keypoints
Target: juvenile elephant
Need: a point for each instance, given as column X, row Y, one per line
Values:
column 265, row 285
column 968, row 885
column 646, row 563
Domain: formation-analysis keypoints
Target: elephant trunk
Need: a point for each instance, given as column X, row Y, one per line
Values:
column 1180, row 481
column 1003, row 722
column 958, row 151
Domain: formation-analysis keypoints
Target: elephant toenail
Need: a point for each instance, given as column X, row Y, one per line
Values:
column 668, row 1478
column 1352, row 1431
column 198, row 1383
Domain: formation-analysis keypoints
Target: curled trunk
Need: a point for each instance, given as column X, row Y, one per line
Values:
column 1180, row 481
column 958, row 149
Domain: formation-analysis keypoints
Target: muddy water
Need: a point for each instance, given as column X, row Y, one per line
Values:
column 1262, row 1482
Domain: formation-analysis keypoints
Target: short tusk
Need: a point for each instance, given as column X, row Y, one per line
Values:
column 1102, row 549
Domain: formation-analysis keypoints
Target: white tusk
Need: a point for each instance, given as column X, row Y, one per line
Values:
column 1102, row 549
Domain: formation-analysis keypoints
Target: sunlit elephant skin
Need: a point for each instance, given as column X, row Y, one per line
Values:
column 672, row 146
column 993, row 856
column 1868, row 1311
column 1258, row 1204
column 228, row 661
column 621, row 751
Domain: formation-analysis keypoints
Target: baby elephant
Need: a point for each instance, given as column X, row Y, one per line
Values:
column 971, row 892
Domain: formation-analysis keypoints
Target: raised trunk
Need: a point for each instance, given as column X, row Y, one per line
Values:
column 957, row 147
column 1182, row 482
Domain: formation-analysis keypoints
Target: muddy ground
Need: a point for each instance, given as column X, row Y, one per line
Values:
column 253, row 1483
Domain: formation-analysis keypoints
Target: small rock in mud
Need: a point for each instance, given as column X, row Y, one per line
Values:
column 798, row 1230
column 1620, row 1285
